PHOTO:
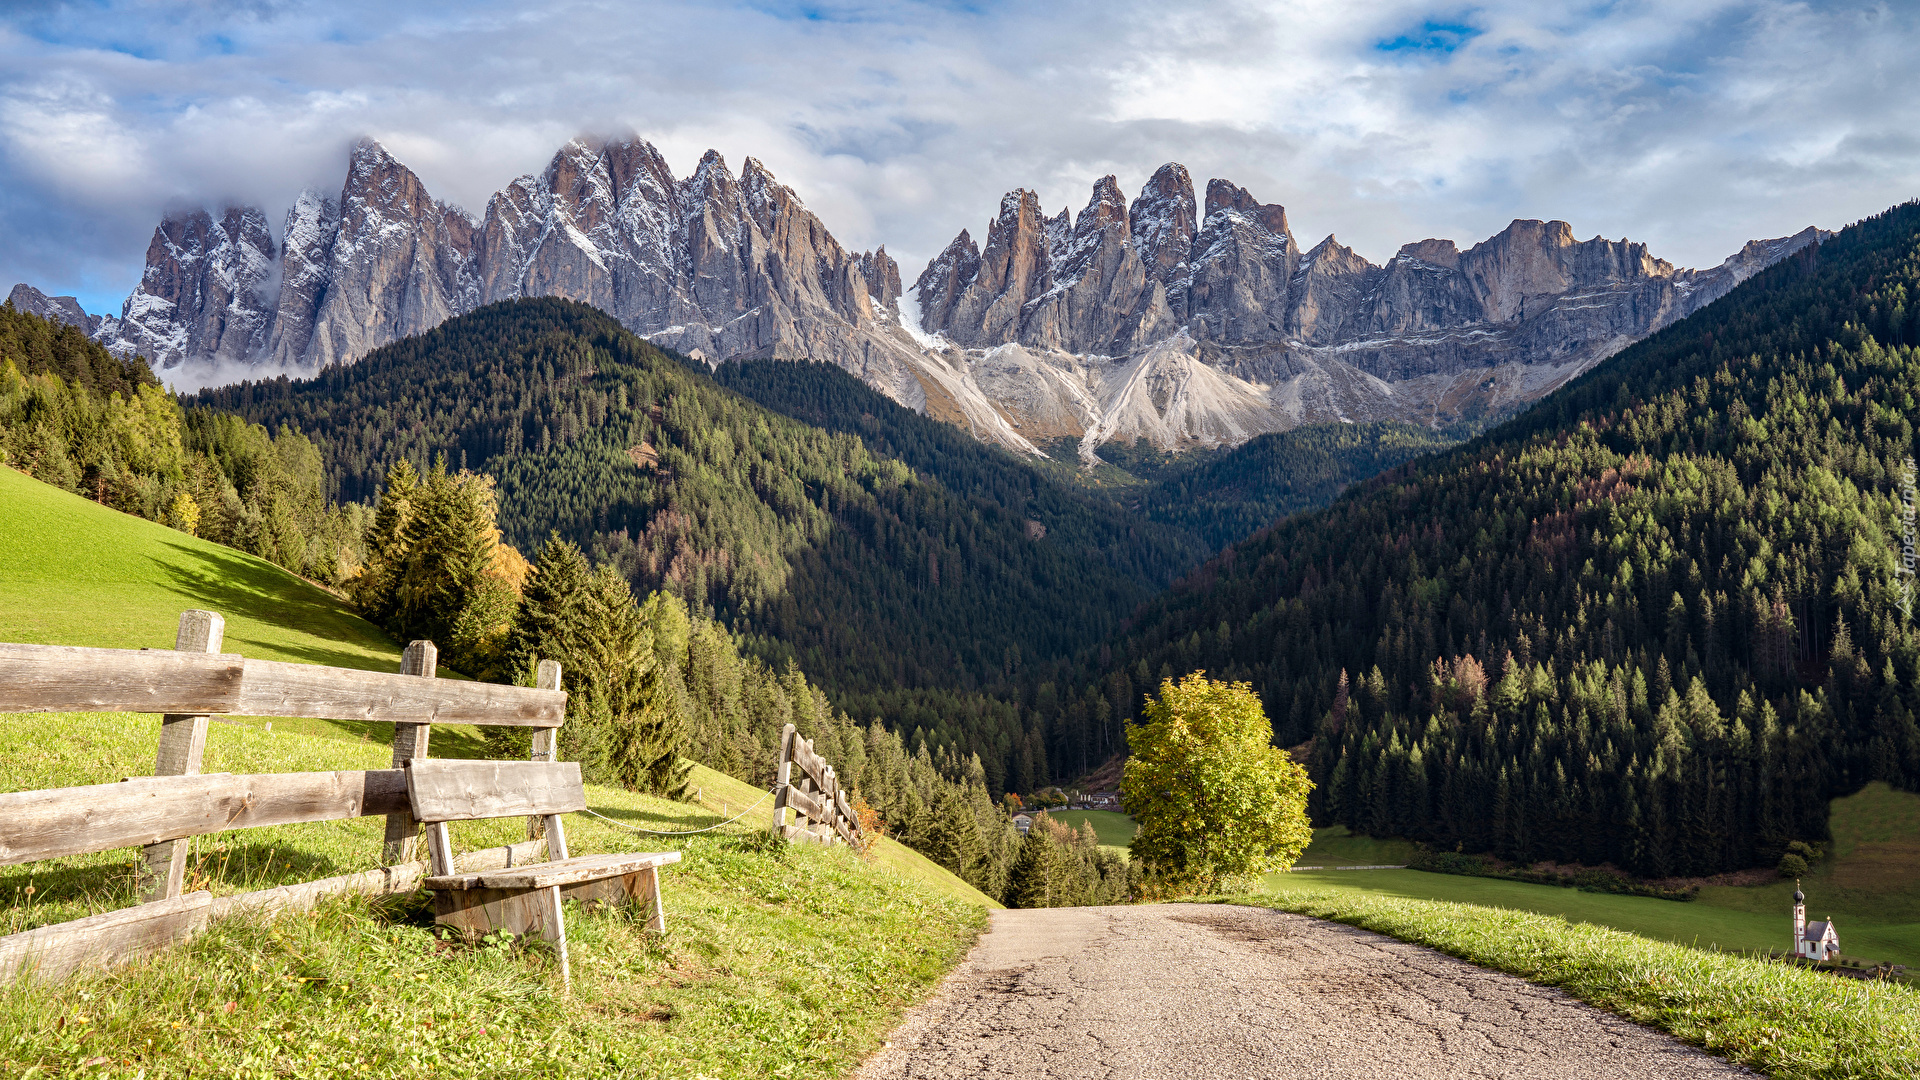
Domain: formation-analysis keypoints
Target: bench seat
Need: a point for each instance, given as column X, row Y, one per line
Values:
column 522, row 899
column 562, row 872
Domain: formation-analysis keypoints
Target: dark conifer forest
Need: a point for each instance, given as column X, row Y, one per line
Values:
column 1655, row 621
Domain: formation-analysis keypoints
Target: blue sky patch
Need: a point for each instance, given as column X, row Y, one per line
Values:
column 1433, row 36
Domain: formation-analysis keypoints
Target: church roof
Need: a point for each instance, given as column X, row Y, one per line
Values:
column 1816, row 931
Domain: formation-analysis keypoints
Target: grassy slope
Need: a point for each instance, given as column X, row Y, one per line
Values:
column 730, row 796
column 786, row 962
column 1868, row 886
column 121, row 582
column 116, row 581
column 1114, row 830
column 791, row 961
column 1787, row 1022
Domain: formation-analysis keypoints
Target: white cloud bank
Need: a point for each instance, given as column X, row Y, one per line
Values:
column 1691, row 124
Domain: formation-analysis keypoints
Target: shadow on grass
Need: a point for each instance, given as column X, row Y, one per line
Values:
column 57, row 890
column 244, row 867
column 231, row 583
column 700, row 819
column 107, row 882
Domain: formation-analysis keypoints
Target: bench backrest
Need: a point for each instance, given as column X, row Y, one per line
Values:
column 443, row 789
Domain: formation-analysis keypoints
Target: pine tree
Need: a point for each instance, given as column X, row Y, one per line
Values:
column 449, row 539
column 375, row 589
column 1031, row 884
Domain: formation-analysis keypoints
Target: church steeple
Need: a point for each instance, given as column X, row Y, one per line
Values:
column 1799, row 917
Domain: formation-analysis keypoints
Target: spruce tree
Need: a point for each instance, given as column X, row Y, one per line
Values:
column 1031, row 883
column 386, row 544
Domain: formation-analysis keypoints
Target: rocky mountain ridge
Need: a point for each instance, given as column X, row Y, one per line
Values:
column 60, row 309
column 1186, row 323
column 1181, row 321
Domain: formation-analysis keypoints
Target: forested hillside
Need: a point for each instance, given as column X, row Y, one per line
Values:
column 870, row 574
column 1655, row 621
column 1227, row 497
column 826, row 396
column 76, row 417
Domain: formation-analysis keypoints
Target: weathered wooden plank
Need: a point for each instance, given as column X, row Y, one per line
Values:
column 546, row 741
column 657, row 918
column 781, row 785
column 809, row 762
column 452, row 790
column 534, row 875
column 117, row 936
column 439, row 848
column 272, row 688
column 56, row 678
column 479, row 912
column 566, row 872
column 183, row 742
column 53, row 822
column 51, row 953
column 807, row 804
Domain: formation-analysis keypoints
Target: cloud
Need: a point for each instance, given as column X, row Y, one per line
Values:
column 1691, row 124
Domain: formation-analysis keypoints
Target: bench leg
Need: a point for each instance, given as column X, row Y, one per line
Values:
column 657, row 920
column 556, row 922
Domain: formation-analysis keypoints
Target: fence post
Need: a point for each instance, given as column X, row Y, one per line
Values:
column 422, row 658
column 546, row 741
column 183, row 741
column 829, row 794
column 780, row 781
column 801, row 820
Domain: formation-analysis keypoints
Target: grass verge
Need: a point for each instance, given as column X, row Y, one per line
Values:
column 1867, row 884
column 778, row 961
column 1784, row 1021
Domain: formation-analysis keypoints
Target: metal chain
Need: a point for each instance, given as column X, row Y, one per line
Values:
column 689, row 832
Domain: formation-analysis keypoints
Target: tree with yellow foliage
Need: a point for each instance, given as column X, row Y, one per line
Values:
column 1214, row 798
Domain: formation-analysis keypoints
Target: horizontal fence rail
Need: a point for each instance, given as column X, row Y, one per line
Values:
column 195, row 681
column 54, row 822
column 54, row 678
column 56, row 951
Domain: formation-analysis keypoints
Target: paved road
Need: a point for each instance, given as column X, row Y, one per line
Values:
column 1192, row 992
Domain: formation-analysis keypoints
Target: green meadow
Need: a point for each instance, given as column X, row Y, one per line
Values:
column 1867, row 884
column 788, row 960
column 73, row 572
column 1114, row 830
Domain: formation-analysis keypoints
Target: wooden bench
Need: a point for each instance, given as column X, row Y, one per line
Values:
column 521, row 899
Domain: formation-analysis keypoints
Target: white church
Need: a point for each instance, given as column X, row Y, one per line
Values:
column 1816, row 941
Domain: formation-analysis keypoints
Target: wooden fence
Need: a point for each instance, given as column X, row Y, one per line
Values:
column 188, row 685
column 822, row 813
